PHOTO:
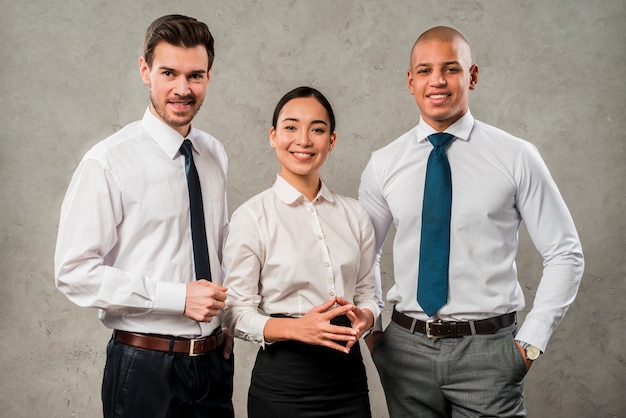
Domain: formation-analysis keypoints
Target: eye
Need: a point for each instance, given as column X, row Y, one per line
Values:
column 452, row 70
column 423, row 71
column 319, row 130
column 289, row 128
column 167, row 73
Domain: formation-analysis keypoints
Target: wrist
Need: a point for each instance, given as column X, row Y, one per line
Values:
column 532, row 353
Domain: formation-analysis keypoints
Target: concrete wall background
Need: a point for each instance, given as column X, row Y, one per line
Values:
column 550, row 72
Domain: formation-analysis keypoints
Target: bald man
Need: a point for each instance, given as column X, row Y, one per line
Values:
column 463, row 354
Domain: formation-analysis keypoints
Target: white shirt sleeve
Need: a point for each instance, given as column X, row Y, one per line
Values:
column 90, row 214
column 553, row 233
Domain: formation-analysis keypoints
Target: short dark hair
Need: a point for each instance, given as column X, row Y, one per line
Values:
column 177, row 30
column 302, row 92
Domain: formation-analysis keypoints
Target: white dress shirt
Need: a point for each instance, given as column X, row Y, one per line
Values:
column 287, row 255
column 124, row 242
column 498, row 180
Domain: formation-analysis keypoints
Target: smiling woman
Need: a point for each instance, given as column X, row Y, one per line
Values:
column 299, row 264
column 303, row 138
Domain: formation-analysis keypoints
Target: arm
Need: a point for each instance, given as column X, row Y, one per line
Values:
column 553, row 233
column 90, row 214
column 372, row 199
column 367, row 293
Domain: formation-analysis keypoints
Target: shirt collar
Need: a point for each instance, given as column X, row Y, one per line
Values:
column 460, row 129
column 167, row 137
column 289, row 194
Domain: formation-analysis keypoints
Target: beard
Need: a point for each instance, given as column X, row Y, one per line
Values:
column 176, row 119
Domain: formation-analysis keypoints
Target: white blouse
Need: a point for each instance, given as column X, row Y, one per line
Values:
column 287, row 255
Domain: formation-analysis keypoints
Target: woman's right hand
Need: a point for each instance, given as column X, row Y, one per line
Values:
column 314, row 327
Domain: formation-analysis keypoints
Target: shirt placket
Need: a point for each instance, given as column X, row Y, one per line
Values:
column 327, row 267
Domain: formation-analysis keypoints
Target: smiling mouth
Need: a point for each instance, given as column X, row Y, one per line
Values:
column 302, row 154
column 438, row 96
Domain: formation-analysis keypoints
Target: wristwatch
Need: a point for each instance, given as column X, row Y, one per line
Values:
column 532, row 352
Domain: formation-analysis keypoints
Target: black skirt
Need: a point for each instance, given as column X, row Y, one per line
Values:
column 296, row 380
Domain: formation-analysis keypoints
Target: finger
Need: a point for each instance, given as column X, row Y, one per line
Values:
column 325, row 306
column 335, row 346
column 336, row 332
column 214, row 285
column 338, row 311
column 343, row 301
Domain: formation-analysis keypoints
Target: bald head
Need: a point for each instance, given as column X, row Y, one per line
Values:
column 445, row 34
column 441, row 76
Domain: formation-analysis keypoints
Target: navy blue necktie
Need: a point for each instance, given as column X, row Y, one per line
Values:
column 198, row 228
column 432, row 284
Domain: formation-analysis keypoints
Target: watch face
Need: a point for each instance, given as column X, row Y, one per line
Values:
column 532, row 353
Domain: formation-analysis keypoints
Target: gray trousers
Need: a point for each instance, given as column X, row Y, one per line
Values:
column 474, row 376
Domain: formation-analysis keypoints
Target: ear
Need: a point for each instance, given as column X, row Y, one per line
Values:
column 208, row 76
column 331, row 142
column 409, row 80
column 144, row 71
column 272, row 137
column 473, row 76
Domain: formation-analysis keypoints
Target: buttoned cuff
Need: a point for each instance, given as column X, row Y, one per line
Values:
column 535, row 333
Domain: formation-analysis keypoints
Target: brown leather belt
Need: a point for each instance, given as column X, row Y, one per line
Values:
column 451, row 329
column 191, row 347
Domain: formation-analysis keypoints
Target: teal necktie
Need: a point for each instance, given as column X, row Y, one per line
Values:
column 432, row 284
column 198, row 228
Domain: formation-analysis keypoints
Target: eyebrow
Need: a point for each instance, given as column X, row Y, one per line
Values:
column 173, row 70
column 297, row 120
column 427, row 64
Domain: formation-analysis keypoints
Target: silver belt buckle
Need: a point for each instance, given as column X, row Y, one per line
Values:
column 192, row 345
column 428, row 334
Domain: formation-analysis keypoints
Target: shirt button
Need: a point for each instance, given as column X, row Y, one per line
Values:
column 332, row 293
column 319, row 237
column 327, row 264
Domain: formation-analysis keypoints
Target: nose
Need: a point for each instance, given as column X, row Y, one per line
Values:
column 437, row 78
column 303, row 138
column 181, row 86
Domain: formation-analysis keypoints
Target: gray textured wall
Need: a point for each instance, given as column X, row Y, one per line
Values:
column 550, row 71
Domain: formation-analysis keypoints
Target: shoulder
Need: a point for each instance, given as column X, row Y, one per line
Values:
column 346, row 201
column 209, row 143
column 351, row 206
column 497, row 137
column 120, row 140
column 256, row 206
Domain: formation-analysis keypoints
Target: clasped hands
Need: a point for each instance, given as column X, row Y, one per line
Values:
column 315, row 327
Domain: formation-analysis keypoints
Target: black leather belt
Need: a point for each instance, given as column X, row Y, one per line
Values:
column 452, row 329
column 191, row 347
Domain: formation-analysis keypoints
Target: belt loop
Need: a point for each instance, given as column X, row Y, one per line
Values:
column 472, row 327
column 413, row 324
column 171, row 352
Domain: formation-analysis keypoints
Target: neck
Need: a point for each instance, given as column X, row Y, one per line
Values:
column 309, row 186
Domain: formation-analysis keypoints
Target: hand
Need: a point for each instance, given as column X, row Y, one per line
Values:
column 229, row 342
column 361, row 319
column 204, row 300
column 313, row 328
column 526, row 359
column 372, row 339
